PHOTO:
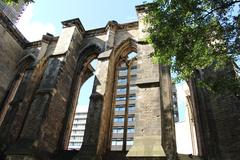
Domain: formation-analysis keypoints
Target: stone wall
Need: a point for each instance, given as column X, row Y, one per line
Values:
column 11, row 52
column 217, row 115
column 39, row 122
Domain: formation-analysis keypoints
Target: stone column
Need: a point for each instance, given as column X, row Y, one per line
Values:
column 148, row 127
column 96, row 133
column 166, row 102
column 91, row 134
column 111, row 30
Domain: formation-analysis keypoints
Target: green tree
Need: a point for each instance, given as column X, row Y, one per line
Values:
column 15, row 1
column 194, row 34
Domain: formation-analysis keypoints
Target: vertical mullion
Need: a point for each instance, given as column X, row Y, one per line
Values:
column 126, row 106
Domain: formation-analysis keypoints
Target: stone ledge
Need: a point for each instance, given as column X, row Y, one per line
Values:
column 145, row 83
column 147, row 146
column 105, row 54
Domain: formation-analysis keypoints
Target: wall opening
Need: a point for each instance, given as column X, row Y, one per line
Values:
column 124, row 103
column 186, row 140
column 80, row 117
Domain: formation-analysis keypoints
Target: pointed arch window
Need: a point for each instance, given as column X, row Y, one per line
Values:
column 124, row 103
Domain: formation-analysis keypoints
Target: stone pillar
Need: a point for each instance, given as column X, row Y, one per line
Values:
column 166, row 102
column 148, row 127
column 91, row 135
column 150, row 112
column 96, row 133
column 46, row 40
column 111, row 29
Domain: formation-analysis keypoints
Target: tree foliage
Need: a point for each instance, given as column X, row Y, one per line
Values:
column 15, row 1
column 194, row 34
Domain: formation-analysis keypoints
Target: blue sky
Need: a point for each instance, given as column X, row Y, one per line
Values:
column 46, row 16
column 92, row 13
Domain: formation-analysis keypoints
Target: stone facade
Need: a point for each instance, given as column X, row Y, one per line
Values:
column 41, row 83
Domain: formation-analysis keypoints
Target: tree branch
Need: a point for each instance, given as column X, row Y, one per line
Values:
column 223, row 6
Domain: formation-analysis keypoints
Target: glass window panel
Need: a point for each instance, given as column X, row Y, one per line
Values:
column 120, row 98
column 122, row 80
column 114, row 130
column 174, row 105
column 123, row 67
column 123, row 72
column 131, row 107
column 118, row 130
column 130, row 130
column 174, row 95
column 129, row 142
column 133, row 67
column 122, row 90
column 119, row 119
column 119, row 143
column 119, row 108
column 133, row 87
column 132, row 97
column 114, row 142
column 131, row 119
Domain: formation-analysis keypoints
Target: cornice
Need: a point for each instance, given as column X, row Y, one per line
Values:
column 103, row 30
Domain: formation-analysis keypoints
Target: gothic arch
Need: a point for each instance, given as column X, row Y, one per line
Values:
column 83, row 71
column 26, row 60
column 24, row 63
column 118, row 54
column 126, row 46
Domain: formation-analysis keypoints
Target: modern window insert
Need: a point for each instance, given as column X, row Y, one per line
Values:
column 124, row 104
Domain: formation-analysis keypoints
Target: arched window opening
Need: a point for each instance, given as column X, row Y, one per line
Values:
column 79, row 122
column 124, row 103
column 184, row 120
column 132, row 55
column 11, row 95
column 22, row 65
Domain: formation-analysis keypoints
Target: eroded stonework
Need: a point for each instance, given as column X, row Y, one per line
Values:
column 40, row 83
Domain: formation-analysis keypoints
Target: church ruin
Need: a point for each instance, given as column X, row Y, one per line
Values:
column 40, row 83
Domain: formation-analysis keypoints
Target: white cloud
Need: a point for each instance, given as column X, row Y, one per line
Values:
column 33, row 30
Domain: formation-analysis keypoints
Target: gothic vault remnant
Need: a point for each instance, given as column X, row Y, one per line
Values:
column 130, row 112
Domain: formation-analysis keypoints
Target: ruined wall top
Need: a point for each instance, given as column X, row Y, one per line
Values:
column 17, row 35
column 12, row 30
